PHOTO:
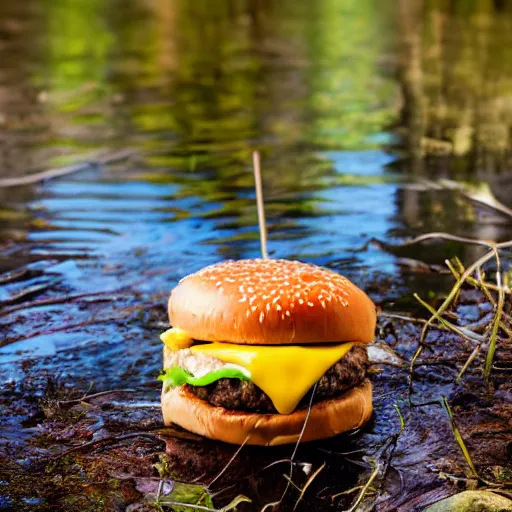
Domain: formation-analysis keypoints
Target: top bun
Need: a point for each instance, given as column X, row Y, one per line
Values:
column 271, row 302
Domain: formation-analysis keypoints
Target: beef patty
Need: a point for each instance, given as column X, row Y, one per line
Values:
column 347, row 373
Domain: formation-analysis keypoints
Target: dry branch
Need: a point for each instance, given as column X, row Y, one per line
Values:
column 260, row 204
column 38, row 177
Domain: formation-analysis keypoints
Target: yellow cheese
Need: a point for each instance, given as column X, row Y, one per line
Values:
column 284, row 373
column 176, row 339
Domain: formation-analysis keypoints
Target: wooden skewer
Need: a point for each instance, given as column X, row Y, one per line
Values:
column 260, row 204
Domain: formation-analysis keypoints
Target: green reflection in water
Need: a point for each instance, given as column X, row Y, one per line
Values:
column 351, row 99
column 195, row 78
column 78, row 45
column 456, row 74
column 196, row 86
column 220, row 78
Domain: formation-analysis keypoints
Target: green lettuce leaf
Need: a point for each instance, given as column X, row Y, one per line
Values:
column 177, row 376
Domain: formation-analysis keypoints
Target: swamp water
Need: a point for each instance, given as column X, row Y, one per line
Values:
column 374, row 121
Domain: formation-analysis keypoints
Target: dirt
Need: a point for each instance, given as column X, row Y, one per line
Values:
column 111, row 451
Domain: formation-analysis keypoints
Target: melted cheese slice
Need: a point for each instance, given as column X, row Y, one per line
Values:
column 176, row 339
column 285, row 373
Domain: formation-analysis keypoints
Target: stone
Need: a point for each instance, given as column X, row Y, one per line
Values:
column 472, row 501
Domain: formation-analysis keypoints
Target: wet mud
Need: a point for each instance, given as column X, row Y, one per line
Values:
column 79, row 450
column 400, row 127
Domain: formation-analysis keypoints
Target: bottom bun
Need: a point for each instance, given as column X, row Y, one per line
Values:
column 327, row 418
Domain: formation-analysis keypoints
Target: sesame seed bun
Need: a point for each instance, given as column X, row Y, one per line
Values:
column 271, row 302
column 327, row 418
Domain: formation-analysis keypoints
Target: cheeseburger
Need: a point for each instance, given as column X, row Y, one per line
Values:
column 255, row 342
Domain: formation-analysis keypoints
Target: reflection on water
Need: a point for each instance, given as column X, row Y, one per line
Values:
column 351, row 103
column 327, row 91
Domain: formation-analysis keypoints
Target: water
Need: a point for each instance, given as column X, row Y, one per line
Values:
column 353, row 105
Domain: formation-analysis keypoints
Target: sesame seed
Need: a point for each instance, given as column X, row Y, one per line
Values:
column 310, row 304
column 243, row 299
column 301, row 301
column 268, row 307
column 278, row 307
column 287, row 313
column 254, row 308
column 262, row 317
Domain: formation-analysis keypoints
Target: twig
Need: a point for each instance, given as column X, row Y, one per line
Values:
column 466, row 333
column 348, row 491
column 496, row 324
column 64, row 171
column 260, row 204
column 301, row 435
column 470, row 359
column 458, row 437
column 390, row 441
column 497, row 318
column 452, row 269
column 385, row 314
column 480, row 283
column 57, row 300
column 292, row 458
column 443, row 236
column 275, row 463
column 393, row 441
column 437, row 316
column 235, row 455
column 95, row 395
column 365, row 488
column 485, row 287
column 462, row 446
column 494, row 204
column 159, row 490
column 456, row 275
column 190, row 506
column 307, row 484
column 106, row 440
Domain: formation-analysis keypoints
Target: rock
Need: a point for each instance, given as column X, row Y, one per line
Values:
column 379, row 352
column 472, row 501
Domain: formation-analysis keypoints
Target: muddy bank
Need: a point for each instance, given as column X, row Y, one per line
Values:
column 417, row 135
column 66, row 451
